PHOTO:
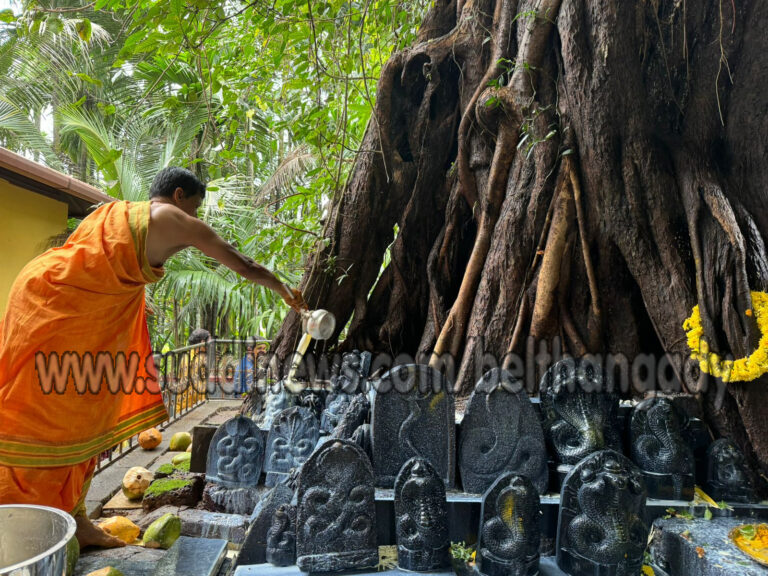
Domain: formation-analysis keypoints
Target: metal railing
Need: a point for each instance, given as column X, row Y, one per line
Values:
column 186, row 381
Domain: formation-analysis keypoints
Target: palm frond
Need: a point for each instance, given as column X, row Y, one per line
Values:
column 289, row 171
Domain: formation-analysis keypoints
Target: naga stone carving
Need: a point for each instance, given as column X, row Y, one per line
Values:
column 413, row 415
column 350, row 376
column 580, row 415
column 336, row 404
column 728, row 475
column 509, row 534
column 421, row 517
column 276, row 403
column 291, row 440
column 353, row 417
column 236, row 454
column 501, row 432
column 602, row 526
column 254, row 549
column 660, row 451
column 336, row 516
column 281, row 537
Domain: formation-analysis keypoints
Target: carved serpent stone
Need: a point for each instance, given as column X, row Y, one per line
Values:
column 421, row 517
column 509, row 532
column 602, row 524
column 501, row 432
column 728, row 475
column 580, row 415
column 281, row 537
column 661, row 452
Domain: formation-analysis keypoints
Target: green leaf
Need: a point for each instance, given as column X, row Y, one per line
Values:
column 84, row 29
column 86, row 78
column 7, row 16
column 110, row 158
column 707, row 514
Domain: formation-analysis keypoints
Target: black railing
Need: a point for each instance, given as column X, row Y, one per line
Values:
column 186, row 381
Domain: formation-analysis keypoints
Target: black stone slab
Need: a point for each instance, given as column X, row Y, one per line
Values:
column 580, row 415
column 510, row 531
column 413, row 415
column 254, row 549
column 336, row 510
column 660, row 451
column 501, row 433
column 201, row 441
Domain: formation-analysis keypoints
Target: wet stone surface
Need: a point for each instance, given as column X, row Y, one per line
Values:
column 131, row 560
column 192, row 557
column 201, row 523
column 700, row 547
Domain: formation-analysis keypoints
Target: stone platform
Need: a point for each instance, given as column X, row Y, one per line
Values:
column 547, row 567
column 700, row 547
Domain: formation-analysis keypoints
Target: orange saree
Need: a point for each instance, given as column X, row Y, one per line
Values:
column 76, row 369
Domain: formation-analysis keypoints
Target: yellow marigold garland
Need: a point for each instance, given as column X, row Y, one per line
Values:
column 743, row 369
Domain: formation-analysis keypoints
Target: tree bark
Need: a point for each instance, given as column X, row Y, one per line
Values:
column 564, row 174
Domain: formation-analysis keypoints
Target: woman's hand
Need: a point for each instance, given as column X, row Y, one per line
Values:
column 294, row 299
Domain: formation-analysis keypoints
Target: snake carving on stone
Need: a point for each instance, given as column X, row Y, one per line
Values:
column 510, row 532
column 728, row 475
column 501, row 432
column 580, row 414
column 657, row 442
column 607, row 528
column 281, row 536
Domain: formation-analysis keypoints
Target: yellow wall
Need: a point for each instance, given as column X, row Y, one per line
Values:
column 27, row 221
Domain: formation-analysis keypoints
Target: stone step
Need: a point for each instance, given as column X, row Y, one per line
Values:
column 192, row 557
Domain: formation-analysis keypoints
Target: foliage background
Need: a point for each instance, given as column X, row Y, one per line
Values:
column 266, row 101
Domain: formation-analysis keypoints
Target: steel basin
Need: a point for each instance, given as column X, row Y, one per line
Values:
column 33, row 540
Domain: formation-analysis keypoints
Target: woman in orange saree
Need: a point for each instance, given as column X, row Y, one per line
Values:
column 76, row 369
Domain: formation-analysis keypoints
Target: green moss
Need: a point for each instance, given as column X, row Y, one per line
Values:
column 165, row 469
column 184, row 466
column 165, row 485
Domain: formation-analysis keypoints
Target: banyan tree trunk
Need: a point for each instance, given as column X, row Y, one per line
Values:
column 565, row 174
